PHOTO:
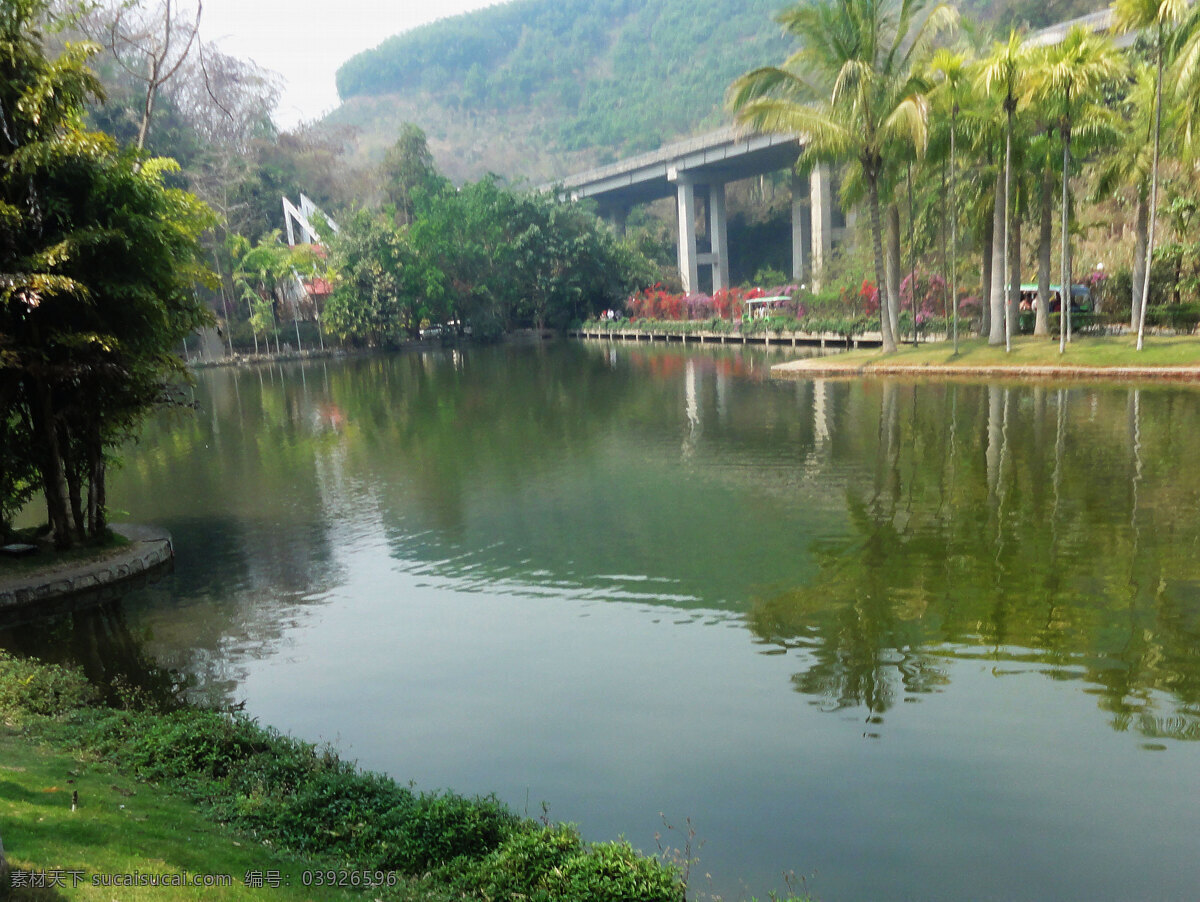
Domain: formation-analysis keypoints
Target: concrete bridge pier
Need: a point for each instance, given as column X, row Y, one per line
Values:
column 820, row 190
column 718, row 236
column 685, row 210
column 813, row 196
column 716, row 217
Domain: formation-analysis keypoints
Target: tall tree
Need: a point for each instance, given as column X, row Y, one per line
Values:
column 97, row 262
column 1161, row 18
column 949, row 69
column 854, row 89
column 1002, row 74
column 1073, row 74
column 408, row 170
column 151, row 40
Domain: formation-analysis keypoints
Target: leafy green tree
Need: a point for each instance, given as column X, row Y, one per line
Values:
column 408, row 171
column 854, row 89
column 379, row 297
column 98, row 258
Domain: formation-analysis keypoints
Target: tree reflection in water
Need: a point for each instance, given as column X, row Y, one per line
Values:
column 956, row 552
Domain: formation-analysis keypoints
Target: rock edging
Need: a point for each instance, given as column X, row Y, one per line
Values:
column 150, row 548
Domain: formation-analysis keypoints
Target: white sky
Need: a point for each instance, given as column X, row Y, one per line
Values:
column 306, row 40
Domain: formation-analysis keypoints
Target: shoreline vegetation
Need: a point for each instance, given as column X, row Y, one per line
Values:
column 156, row 786
column 1099, row 357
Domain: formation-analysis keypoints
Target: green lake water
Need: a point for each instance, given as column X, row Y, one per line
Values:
column 933, row 641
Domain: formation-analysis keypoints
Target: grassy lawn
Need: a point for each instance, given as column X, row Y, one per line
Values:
column 1090, row 351
column 122, row 826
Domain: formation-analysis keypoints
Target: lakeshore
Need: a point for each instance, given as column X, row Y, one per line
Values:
column 48, row 579
column 1099, row 358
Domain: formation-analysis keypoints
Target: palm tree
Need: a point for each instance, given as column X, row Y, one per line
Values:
column 853, row 90
column 1163, row 16
column 1003, row 72
column 1129, row 166
column 1073, row 74
column 949, row 68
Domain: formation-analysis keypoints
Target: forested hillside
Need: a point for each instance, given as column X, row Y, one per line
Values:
column 535, row 88
column 611, row 76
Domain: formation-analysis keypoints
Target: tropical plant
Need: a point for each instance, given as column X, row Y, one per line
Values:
column 949, row 70
column 1003, row 72
column 1074, row 73
column 853, row 89
column 1162, row 18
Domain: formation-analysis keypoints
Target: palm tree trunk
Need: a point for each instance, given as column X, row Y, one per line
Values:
column 912, row 254
column 1064, row 277
column 885, row 322
column 953, row 226
column 945, row 196
column 1141, row 241
column 1045, row 242
column 1014, row 269
column 893, row 268
column 1153, row 196
column 1006, row 290
column 985, row 302
column 996, row 289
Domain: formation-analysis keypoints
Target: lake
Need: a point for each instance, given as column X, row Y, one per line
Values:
column 900, row 640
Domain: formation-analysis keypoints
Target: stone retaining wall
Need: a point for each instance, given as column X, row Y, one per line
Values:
column 149, row 550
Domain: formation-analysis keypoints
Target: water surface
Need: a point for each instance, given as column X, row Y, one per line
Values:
column 908, row 641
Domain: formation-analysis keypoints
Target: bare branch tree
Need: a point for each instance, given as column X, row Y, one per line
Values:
column 150, row 40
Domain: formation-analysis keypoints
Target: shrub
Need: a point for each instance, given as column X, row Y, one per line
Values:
column 1181, row 318
column 615, row 872
column 525, row 866
column 189, row 743
column 340, row 813
column 438, row 828
column 30, row 687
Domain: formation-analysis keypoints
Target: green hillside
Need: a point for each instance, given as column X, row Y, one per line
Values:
column 611, row 77
column 539, row 88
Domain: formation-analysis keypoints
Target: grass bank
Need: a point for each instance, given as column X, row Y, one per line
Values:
column 1098, row 355
column 120, row 827
column 171, row 789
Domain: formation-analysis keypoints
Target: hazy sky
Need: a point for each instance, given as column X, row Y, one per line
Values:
column 306, row 40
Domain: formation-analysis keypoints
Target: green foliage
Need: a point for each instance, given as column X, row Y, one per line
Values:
column 616, row 73
column 767, row 275
column 193, row 744
column 408, row 171
column 28, row 687
column 615, row 872
column 305, row 798
column 484, row 256
column 442, row 827
column 101, row 258
column 383, row 288
column 523, row 867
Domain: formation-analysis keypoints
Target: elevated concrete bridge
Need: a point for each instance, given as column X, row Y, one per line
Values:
column 697, row 170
